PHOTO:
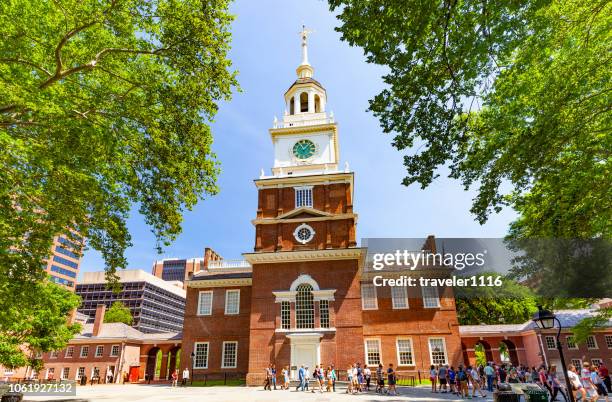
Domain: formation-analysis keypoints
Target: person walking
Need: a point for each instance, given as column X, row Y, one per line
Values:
column 462, row 382
column 349, row 374
column 273, row 373
column 333, row 377
column 433, row 377
column 367, row 373
column 391, row 379
column 442, row 374
column 605, row 376
column 490, row 373
column 380, row 380
column 307, row 378
column 474, row 378
column 598, row 383
column 285, row 374
column 174, row 377
column 555, row 384
column 185, row 377
column 301, row 378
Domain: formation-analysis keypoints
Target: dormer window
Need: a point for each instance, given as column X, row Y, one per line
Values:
column 303, row 196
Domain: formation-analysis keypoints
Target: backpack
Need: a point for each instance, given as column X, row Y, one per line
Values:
column 461, row 375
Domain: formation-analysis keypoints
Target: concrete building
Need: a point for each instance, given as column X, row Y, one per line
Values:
column 301, row 297
column 156, row 305
column 63, row 264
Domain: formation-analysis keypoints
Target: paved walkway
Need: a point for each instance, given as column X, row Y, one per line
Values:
column 158, row 393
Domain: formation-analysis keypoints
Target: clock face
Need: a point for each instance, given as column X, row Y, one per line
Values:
column 304, row 149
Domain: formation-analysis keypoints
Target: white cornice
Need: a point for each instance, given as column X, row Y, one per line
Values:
column 307, row 255
column 218, row 283
column 292, row 181
column 270, row 221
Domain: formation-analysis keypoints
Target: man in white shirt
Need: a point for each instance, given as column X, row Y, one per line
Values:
column 185, row 377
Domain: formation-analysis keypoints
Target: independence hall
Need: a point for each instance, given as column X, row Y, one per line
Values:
column 300, row 297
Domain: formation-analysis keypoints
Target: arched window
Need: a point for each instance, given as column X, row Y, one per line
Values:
column 304, row 306
column 303, row 102
column 292, row 106
column 317, row 104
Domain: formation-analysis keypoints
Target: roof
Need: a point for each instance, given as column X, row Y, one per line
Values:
column 567, row 318
column 307, row 80
column 134, row 275
column 121, row 331
column 204, row 275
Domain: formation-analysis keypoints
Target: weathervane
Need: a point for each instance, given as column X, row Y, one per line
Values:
column 304, row 35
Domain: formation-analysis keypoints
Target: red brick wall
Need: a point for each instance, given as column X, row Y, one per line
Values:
column 216, row 329
column 341, row 348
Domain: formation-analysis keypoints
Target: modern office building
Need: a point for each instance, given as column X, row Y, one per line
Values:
column 156, row 305
column 63, row 264
column 176, row 269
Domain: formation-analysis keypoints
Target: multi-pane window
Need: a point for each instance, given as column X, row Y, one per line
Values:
column 84, row 351
column 232, row 301
column 431, row 299
column 596, row 362
column 399, row 297
column 372, row 347
column 65, row 373
column 609, row 341
column 205, row 303
column 69, row 351
column 53, row 354
column 303, row 197
column 50, row 372
column 550, row 342
column 368, row 297
column 114, row 350
column 571, row 343
column 591, row 342
column 201, row 355
column 99, row 350
column 577, row 363
column 230, row 352
column 437, row 350
column 285, row 315
column 404, row 352
column 304, row 306
column 324, row 313
column 80, row 373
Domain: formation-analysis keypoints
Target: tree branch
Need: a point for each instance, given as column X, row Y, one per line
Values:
column 26, row 62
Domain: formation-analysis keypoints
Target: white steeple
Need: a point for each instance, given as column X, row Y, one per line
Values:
column 305, row 70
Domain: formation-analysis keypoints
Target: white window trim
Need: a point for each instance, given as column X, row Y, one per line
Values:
column 111, row 351
column 199, row 312
column 437, row 296
column 54, row 354
column 223, row 365
column 546, row 337
column 575, row 347
column 404, row 338
column 363, row 307
column 66, row 354
column 365, row 347
column 597, row 359
column 296, row 189
column 577, row 365
column 195, row 347
column 81, row 353
column 608, row 343
column 405, row 298
column 96, row 351
column 431, row 351
column 594, row 341
column 227, row 293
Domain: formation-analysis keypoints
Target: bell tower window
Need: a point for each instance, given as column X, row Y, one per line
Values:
column 304, row 306
column 317, row 103
column 303, row 197
column 303, row 102
column 292, row 106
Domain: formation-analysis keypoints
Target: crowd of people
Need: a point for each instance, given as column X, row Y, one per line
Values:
column 589, row 383
column 323, row 379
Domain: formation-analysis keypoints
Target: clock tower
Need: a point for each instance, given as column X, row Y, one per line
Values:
column 305, row 263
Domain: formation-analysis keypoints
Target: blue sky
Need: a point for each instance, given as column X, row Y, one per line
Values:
column 266, row 51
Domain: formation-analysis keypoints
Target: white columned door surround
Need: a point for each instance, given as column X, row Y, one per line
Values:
column 306, row 350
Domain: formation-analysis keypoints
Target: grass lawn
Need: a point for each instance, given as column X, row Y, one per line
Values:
column 213, row 383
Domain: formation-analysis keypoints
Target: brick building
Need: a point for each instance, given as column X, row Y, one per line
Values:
column 301, row 297
column 528, row 345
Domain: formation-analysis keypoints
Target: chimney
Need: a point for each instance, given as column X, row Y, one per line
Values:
column 99, row 320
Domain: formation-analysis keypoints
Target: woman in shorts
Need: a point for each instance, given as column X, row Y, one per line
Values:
column 433, row 377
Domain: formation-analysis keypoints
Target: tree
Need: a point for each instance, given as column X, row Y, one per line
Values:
column 104, row 105
column 513, row 97
column 118, row 312
column 34, row 319
column 511, row 303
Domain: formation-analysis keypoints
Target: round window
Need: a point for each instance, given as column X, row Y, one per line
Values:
column 304, row 233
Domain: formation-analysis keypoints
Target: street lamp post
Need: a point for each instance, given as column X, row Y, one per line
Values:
column 546, row 319
column 193, row 361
